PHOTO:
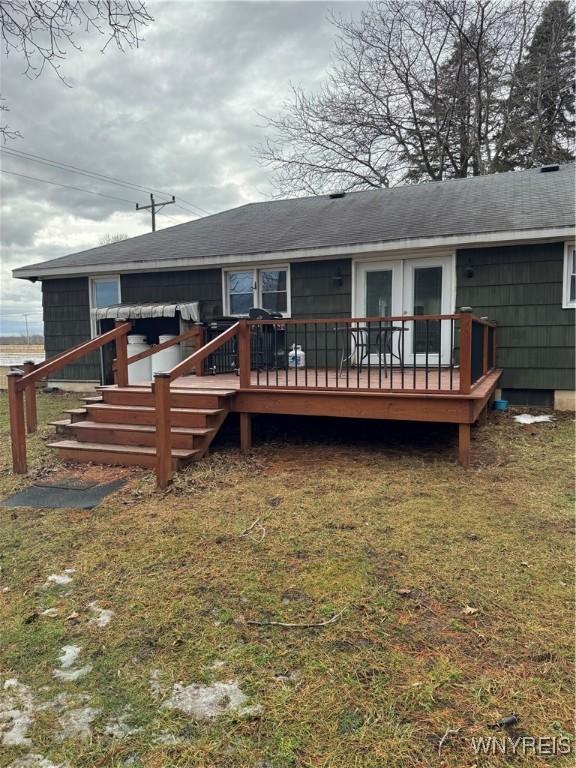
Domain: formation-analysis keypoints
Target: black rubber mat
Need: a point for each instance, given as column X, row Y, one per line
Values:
column 54, row 497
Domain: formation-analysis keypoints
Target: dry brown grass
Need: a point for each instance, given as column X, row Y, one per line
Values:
column 401, row 538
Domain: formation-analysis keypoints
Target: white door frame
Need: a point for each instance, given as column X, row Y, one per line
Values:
column 402, row 295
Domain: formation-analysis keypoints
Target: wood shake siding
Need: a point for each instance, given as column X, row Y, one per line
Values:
column 321, row 288
column 520, row 287
column 185, row 285
column 66, row 305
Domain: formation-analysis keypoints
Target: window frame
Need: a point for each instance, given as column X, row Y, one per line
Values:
column 257, row 290
column 567, row 303
column 91, row 293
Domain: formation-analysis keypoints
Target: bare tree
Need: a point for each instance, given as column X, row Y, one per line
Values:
column 112, row 237
column 420, row 90
column 42, row 33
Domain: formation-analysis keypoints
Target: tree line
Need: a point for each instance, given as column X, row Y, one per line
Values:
column 427, row 90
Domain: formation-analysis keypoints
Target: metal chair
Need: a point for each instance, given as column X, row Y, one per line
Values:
column 383, row 341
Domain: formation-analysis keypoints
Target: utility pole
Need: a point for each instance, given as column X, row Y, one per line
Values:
column 154, row 207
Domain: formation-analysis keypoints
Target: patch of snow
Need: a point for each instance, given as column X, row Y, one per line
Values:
column 119, row 727
column 156, row 687
column 71, row 675
column 34, row 760
column 16, row 714
column 69, row 655
column 76, row 723
column 60, row 579
column 101, row 616
column 527, row 418
column 205, row 702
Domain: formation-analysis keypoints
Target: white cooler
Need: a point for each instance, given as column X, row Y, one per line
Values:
column 166, row 359
column 139, row 372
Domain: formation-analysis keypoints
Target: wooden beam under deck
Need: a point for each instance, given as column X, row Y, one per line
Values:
column 405, row 406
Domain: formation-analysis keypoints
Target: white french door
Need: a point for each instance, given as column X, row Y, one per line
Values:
column 409, row 287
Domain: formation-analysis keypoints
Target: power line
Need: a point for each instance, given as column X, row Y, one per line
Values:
column 67, row 186
column 91, row 174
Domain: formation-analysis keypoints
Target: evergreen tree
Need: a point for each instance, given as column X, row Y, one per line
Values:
column 541, row 127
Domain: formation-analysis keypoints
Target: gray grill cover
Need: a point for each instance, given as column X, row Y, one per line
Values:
column 188, row 311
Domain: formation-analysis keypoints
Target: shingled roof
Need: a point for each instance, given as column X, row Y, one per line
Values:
column 515, row 202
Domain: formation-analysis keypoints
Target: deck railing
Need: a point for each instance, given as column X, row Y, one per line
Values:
column 22, row 388
column 421, row 353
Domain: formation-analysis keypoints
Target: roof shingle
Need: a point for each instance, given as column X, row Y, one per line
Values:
column 522, row 200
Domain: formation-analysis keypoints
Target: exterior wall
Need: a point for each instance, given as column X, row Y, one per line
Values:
column 520, row 287
column 66, row 304
column 185, row 285
column 321, row 288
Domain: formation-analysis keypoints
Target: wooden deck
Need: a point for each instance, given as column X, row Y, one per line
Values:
column 174, row 420
column 442, row 381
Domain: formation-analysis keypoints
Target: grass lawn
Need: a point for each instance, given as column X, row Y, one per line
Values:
column 446, row 597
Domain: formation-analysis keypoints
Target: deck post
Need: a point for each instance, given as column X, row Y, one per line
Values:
column 493, row 361
column 17, row 423
column 121, row 367
column 198, row 344
column 245, row 431
column 465, row 350
column 485, row 362
column 161, row 389
column 244, row 353
column 31, row 413
column 464, row 444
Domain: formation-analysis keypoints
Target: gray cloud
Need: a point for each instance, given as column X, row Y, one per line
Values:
column 179, row 114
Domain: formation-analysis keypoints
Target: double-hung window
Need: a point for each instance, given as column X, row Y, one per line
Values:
column 268, row 288
column 569, row 288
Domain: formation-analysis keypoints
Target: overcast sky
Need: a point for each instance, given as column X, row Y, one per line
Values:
column 179, row 114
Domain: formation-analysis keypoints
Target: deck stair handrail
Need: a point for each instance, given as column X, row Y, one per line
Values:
column 22, row 387
column 161, row 390
column 120, row 368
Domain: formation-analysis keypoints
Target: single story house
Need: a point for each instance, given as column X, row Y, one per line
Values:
column 501, row 244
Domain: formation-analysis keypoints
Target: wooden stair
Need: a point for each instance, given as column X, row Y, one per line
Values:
column 119, row 426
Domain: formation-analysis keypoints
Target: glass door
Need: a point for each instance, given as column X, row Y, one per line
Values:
column 427, row 291
column 378, row 294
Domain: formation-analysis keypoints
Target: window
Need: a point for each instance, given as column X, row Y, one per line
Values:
column 266, row 288
column 104, row 292
column 569, row 290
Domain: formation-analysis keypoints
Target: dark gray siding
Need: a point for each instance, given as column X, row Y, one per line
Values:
column 321, row 288
column 188, row 285
column 66, row 305
column 520, row 287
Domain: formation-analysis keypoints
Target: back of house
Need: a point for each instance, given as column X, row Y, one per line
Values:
column 502, row 245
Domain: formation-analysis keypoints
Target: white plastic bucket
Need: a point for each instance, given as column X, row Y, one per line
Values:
column 139, row 372
column 166, row 359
